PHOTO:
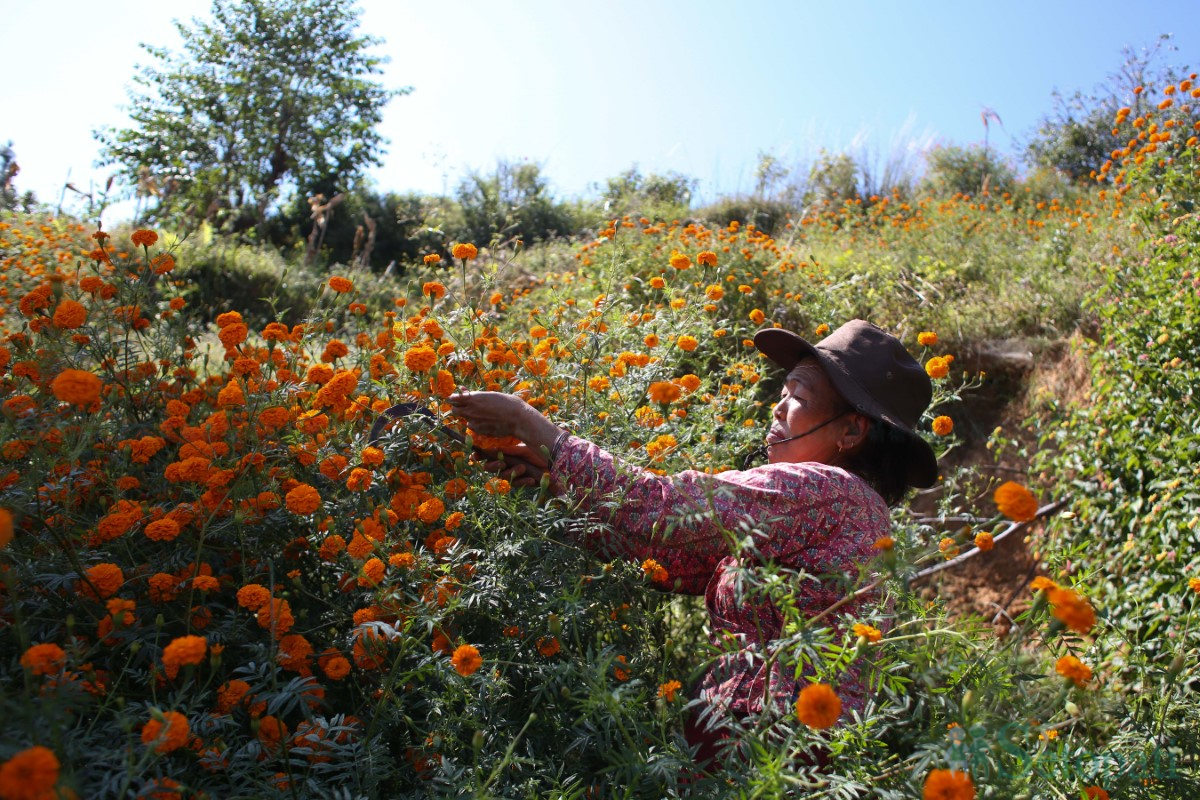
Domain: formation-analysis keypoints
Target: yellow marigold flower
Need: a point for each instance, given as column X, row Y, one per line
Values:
column 687, row 343
column 943, row 425
column 77, row 387
column 714, row 292
column 303, row 500
column 667, row 690
column 183, row 651
column 680, row 261
column 944, row 784
column 937, row 367
column 984, row 541
column 757, row 316
column 466, row 660
column 822, row 329
column 1072, row 610
column 871, row 634
column 69, row 314
column 44, row 659
column 1015, row 501
column 538, row 332
column 144, row 238
column 948, row 547
column 1073, row 670
column 31, row 773
column 706, row 258
column 420, row 358
column 432, row 258
column 663, row 392
column 464, row 251
column 1193, row 583
column 168, row 735
column 818, row 706
column 927, row 338
column 341, row 285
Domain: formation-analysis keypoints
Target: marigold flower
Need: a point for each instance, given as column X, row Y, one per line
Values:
column 1071, row 609
column 1095, row 793
column 548, row 646
column 1041, row 583
column 984, row 541
column 927, row 338
column 30, row 774
column 944, row 784
column 143, row 238
column 1015, row 501
column 714, row 292
column 1073, row 670
column 655, row 571
column 253, row 596
column 663, row 392
column 341, row 285
column 871, row 634
column 168, row 735
column 233, row 334
column 466, row 660
column 44, row 659
column 77, row 387
column 948, row 547
column 464, row 251
column 433, row 289
column 937, row 367
column 1193, row 583
column 757, row 316
column 706, row 258
column 183, row 651
column 303, row 500
column 943, row 425
column 6, row 527
column 336, row 668
column 420, row 358
column 162, row 530
column 818, row 706
column 884, row 543
column 667, row 690
column 106, row 578
column 276, row 614
column 432, row 258
column 690, row 382
column 680, row 261
column 69, row 314
column 231, row 694
column 687, row 343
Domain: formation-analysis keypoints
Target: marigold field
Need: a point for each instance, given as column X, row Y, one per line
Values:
column 244, row 555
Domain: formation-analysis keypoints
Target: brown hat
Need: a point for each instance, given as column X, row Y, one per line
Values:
column 876, row 375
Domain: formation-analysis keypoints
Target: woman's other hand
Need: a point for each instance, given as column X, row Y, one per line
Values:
column 499, row 414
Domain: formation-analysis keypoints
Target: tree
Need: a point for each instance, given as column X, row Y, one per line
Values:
column 967, row 170
column 267, row 96
column 514, row 202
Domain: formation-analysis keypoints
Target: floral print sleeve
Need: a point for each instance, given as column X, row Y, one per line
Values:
column 808, row 516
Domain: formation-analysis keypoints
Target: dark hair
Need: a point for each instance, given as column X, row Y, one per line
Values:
column 881, row 463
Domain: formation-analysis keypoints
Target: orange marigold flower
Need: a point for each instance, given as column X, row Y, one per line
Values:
column 667, row 690
column 714, row 292
column 654, row 571
column 548, row 646
column 818, row 706
column 144, row 238
column 341, row 285
column 466, row 660
column 937, row 367
column 420, row 358
column 433, row 289
column 228, row 318
column 272, row 732
column 336, row 668
column 1015, row 501
column 76, row 386
column 757, row 316
column 253, row 596
column 884, row 543
column 30, row 774
column 233, row 334
column 690, row 382
column 303, row 500
column 276, row 614
column 663, row 392
column 1041, row 582
column 432, row 258
column 170, row 734
column 944, row 784
column 680, row 261
column 871, row 634
column 927, row 338
column 706, row 258
column 1095, row 793
column 984, row 541
column 687, row 343
column 70, row 314
column 431, row 510
column 6, row 527
column 464, row 251
column 1193, row 583
column 443, row 384
column 948, row 548
column 162, row 530
column 943, row 425
column 44, row 659
column 359, row 479
column 183, row 651
column 106, row 579
column 1072, row 610
column 231, row 694
column 1073, row 670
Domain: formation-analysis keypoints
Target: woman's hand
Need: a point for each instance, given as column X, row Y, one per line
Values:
column 499, row 414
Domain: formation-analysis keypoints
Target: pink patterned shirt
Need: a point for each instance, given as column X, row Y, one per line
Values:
column 807, row 516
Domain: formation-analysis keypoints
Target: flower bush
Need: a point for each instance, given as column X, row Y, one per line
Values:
column 259, row 559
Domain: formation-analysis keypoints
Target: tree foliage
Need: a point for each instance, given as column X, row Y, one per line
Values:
column 514, row 202
column 971, row 170
column 266, row 96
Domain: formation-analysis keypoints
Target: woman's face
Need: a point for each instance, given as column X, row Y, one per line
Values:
column 808, row 400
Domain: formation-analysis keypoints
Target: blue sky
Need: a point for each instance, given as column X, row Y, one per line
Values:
column 589, row 89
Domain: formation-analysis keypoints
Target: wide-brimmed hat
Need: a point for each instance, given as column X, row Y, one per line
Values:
column 876, row 375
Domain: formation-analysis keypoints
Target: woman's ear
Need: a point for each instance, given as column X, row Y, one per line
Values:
column 855, row 433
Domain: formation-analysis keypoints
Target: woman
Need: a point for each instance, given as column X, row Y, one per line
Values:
column 842, row 447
